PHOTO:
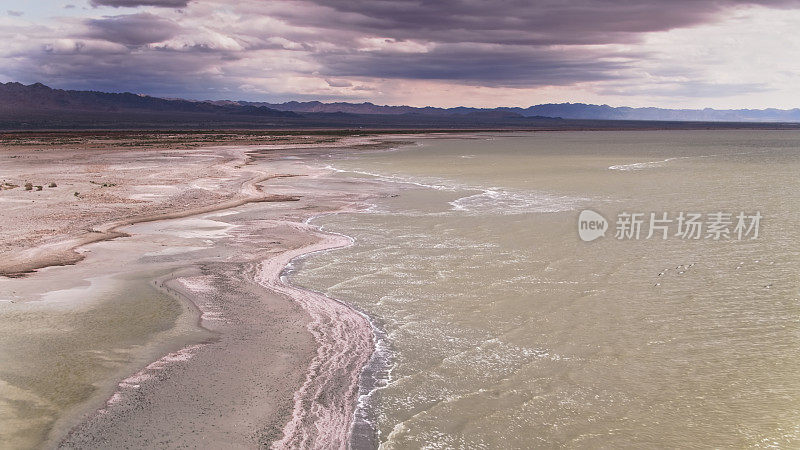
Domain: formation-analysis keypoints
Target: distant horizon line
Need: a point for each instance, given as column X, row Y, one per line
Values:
column 372, row 103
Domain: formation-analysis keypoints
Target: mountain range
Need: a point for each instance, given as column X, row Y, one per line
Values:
column 36, row 106
column 554, row 110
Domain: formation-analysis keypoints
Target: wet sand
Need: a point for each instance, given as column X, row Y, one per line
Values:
column 345, row 345
column 245, row 360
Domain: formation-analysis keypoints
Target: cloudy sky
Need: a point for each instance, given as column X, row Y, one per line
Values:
column 676, row 53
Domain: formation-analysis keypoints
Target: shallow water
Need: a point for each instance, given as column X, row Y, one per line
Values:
column 70, row 332
column 506, row 330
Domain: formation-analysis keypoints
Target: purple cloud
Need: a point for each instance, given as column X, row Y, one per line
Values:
column 135, row 3
column 132, row 29
column 343, row 46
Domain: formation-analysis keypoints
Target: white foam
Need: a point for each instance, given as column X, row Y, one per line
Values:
column 433, row 184
column 492, row 200
column 643, row 165
column 503, row 201
column 663, row 162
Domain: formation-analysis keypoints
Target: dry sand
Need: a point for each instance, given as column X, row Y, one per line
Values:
column 101, row 187
column 248, row 360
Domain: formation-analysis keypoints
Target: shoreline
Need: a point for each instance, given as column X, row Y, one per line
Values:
column 331, row 379
column 376, row 372
column 343, row 335
column 329, row 429
column 345, row 339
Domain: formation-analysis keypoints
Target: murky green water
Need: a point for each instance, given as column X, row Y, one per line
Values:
column 52, row 359
column 508, row 331
column 68, row 334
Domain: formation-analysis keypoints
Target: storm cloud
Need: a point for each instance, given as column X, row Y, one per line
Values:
column 514, row 22
column 132, row 29
column 368, row 49
column 135, row 3
column 487, row 65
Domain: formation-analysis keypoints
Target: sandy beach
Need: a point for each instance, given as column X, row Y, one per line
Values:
column 218, row 349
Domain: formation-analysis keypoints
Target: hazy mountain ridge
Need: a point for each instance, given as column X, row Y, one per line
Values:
column 38, row 107
column 555, row 110
column 38, row 97
column 605, row 112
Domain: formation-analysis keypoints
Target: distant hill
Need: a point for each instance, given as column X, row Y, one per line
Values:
column 38, row 107
column 38, row 97
column 605, row 112
column 555, row 110
column 371, row 108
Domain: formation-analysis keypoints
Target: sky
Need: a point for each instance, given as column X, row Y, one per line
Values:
column 674, row 54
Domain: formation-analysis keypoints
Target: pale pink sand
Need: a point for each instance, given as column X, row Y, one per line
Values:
column 323, row 406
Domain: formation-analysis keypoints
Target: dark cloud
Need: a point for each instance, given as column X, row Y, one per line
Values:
column 135, row 3
column 482, row 65
column 215, row 46
column 85, row 47
column 14, row 13
column 153, row 72
column 545, row 22
column 132, row 29
column 500, row 43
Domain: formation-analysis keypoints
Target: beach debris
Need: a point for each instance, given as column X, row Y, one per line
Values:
column 52, row 185
column 28, row 186
column 103, row 184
